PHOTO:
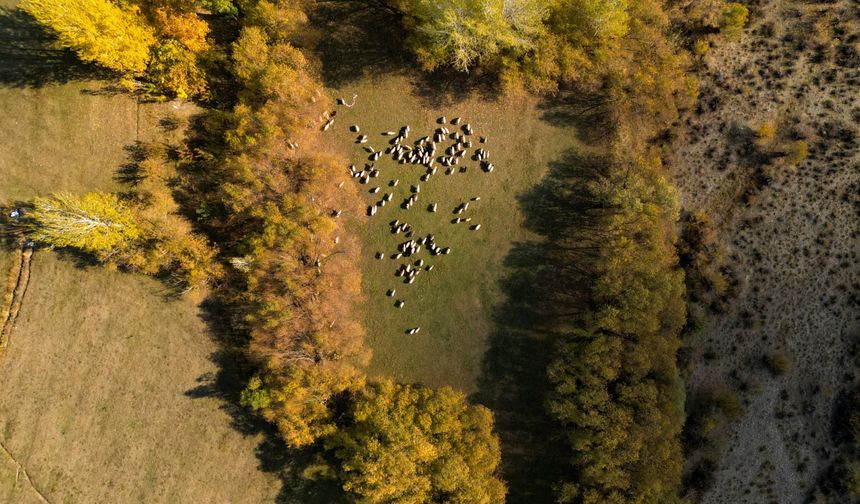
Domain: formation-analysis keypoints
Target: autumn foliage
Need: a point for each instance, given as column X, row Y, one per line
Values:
column 160, row 41
column 99, row 31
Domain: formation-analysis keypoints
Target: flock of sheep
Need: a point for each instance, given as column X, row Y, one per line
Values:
column 427, row 152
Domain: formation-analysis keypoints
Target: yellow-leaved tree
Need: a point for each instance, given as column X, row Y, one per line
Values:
column 412, row 445
column 98, row 31
column 97, row 223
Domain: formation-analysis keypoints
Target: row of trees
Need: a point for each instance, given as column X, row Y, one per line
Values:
column 617, row 391
column 540, row 45
column 270, row 201
column 164, row 42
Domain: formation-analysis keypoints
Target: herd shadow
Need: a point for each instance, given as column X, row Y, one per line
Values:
column 31, row 57
column 545, row 292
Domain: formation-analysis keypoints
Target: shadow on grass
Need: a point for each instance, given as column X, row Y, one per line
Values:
column 30, row 56
column 545, row 292
column 226, row 385
column 366, row 39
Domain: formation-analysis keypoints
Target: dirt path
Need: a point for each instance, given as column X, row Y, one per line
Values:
column 20, row 272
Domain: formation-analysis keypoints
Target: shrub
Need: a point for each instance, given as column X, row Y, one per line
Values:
column 777, row 363
column 735, row 17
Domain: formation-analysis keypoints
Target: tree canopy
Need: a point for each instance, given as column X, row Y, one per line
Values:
column 99, row 31
column 411, row 445
column 94, row 223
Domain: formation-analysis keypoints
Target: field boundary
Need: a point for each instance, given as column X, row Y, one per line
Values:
column 21, row 270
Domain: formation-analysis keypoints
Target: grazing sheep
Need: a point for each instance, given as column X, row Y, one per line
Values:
column 354, row 128
column 455, row 121
column 399, row 303
column 441, row 120
column 371, row 210
column 432, row 207
column 482, row 139
column 360, row 139
column 394, row 182
column 416, row 189
column 390, row 292
column 429, row 268
column 374, row 190
column 410, row 281
column 419, row 262
column 336, row 213
column 475, row 227
column 375, row 156
column 364, row 180
column 476, row 198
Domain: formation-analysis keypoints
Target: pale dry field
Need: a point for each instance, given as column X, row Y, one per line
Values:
column 794, row 248
column 107, row 390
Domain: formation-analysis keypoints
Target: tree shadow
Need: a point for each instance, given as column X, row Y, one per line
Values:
column 361, row 39
column 31, row 57
column 544, row 295
column 233, row 372
column 364, row 39
column 586, row 112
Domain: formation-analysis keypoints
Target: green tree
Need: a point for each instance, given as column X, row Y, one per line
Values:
column 412, row 445
column 97, row 30
column 95, row 222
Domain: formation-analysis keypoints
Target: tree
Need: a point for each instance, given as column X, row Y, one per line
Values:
column 735, row 16
column 410, row 445
column 97, row 223
column 98, row 31
column 465, row 33
column 175, row 68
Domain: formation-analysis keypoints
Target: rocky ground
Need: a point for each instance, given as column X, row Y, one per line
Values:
column 790, row 237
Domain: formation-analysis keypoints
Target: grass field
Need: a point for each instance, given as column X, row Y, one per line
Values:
column 109, row 391
column 454, row 303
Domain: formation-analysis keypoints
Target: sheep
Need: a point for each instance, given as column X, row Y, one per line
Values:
column 416, row 188
column 442, row 120
column 391, row 292
column 429, row 267
column 375, row 156
column 394, row 182
column 475, row 227
column 371, row 210
column 476, row 198
column 363, row 179
column 380, row 255
column 432, row 207
column 410, row 281
column 399, row 303
column 336, row 213
column 482, row 139
column 419, row 262
column 354, row 128
column 340, row 184
column 374, row 190
column 360, row 139
column 389, row 133
column 455, row 121
column 388, row 197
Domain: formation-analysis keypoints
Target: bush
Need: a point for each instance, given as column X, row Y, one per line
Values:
column 778, row 363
